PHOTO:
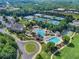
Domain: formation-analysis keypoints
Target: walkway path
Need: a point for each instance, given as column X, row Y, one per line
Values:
column 52, row 56
column 72, row 37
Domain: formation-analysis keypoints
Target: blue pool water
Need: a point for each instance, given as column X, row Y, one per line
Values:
column 54, row 40
column 40, row 32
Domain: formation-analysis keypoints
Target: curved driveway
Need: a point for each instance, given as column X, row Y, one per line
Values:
column 21, row 46
column 24, row 54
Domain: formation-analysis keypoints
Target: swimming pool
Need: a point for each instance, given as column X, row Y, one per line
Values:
column 54, row 40
column 40, row 32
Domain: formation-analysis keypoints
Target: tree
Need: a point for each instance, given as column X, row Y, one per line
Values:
column 4, row 16
column 69, row 18
column 50, row 46
column 66, row 38
column 77, row 29
column 3, row 41
column 8, row 52
column 5, row 19
column 7, row 47
column 17, row 20
column 39, row 57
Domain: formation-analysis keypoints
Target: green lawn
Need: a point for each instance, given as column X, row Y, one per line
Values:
column 43, row 54
column 70, row 52
column 30, row 47
column 74, row 15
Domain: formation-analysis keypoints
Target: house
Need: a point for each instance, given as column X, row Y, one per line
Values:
column 10, row 22
column 59, row 9
column 2, row 8
column 29, row 17
column 36, row 26
column 47, row 16
column 2, row 20
column 16, row 27
column 58, row 34
column 10, row 19
column 38, row 15
column 74, row 26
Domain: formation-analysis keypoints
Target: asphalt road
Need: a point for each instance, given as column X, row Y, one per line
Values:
column 21, row 46
column 24, row 54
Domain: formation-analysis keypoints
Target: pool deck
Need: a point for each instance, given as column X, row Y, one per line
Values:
column 46, row 39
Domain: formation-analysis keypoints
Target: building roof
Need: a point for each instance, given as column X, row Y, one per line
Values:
column 38, row 14
column 47, row 16
column 1, row 18
column 75, row 23
column 16, row 27
column 10, row 19
column 60, row 9
column 29, row 17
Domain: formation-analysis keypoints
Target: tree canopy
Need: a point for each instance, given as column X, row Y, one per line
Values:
column 8, row 47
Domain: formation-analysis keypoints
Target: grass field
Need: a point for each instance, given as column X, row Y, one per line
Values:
column 70, row 52
column 43, row 54
column 76, row 16
column 30, row 47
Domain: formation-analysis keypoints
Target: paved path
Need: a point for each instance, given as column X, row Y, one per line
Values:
column 21, row 46
column 63, row 46
column 24, row 54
